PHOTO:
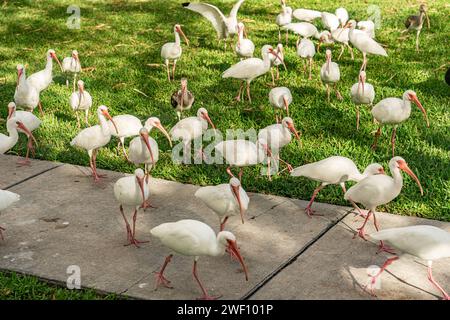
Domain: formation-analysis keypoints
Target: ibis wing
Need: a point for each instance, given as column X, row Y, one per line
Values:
column 235, row 9
column 212, row 13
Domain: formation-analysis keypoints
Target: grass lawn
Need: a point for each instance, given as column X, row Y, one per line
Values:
column 120, row 41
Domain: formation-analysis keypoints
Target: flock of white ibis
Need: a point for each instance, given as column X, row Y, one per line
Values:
column 373, row 187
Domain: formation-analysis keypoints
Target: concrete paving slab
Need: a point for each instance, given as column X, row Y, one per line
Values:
column 337, row 267
column 64, row 219
column 11, row 173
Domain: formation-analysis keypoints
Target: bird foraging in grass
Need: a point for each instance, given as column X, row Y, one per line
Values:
column 172, row 50
column 330, row 75
column 182, row 99
column 415, row 23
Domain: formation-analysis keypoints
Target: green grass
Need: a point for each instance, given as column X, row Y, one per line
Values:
column 14, row 286
column 121, row 40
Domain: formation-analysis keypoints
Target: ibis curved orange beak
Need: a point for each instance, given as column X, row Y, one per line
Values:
column 404, row 166
column 207, row 118
column 106, row 114
column 144, row 136
column 161, row 128
column 294, row 131
column 183, row 35
column 21, row 126
column 286, row 104
column 232, row 245
column 235, row 190
column 140, row 182
column 419, row 105
column 19, row 74
column 57, row 60
column 10, row 113
column 278, row 57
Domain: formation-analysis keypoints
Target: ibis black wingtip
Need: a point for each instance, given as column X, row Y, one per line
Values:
column 185, row 4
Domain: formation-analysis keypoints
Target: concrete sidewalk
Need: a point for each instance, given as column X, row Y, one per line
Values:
column 64, row 219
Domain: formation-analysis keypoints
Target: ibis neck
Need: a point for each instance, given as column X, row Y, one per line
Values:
column 103, row 124
column 397, row 176
column 13, row 135
column 177, row 38
column 49, row 65
column 406, row 106
column 218, row 248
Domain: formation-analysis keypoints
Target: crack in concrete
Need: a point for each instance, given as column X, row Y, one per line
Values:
column 33, row 176
column 293, row 258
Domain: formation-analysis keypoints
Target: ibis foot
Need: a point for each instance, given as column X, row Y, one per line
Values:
column 161, row 280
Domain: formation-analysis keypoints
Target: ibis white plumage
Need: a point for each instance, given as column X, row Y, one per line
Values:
column 284, row 18
column 307, row 15
column 302, row 29
column 224, row 26
column 93, row 138
column 81, row 100
column 422, row 241
column 7, row 198
column 361, row 41
column 333, row 170
column 330, row 75
column 132, row 191
column 394, row 111
column 189, row 129
column 226, row 200
column 280, row 98
column 362, row 92
column 26, row 95
column 194, row 238
column 13, row 125
column 244, row 47
column 378, row 190
column 29, row 120
column 249, row 69
column 307, row 50
column 171, row 51
column 72, row 65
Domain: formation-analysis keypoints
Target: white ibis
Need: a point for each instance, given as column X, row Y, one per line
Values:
column 307, row 15
column 307, row 50
column 8, row 142
column 277, row 136
column 333, row 170
column 182, row 99
column 330, row 21
column 302, row 29
column 189, row 129
column 196, row 239
column 422, row 241
column 172, row 50
column 7, row 198
column 132, row 191
column 415, row 23
column 277, row 61
column 29, row 120
column 378, row 190
column 364, row 43
column 244, row 47
column 368, row 27
column 362, row 92
column 325, row 38
column 224, row 26
column 226, row 200
column 42, row 79
column 81, row 100
column 243, row 153
column 342, row 15
column 144, row 149
column 340, row 35
column 72, row 65
column 25, row 95
column 330, row 75
column 280, row 98
column 284, row 18
column 265, row 50
column 93, row 138
column 249, row 69
column 394, row 111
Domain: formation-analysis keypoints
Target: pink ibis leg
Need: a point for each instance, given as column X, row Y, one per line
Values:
column 342, row 51
column 205, row 295
column 248, row 92
column 173, row 69
column 308, row 210
column 328, row 92
column 393, row 137
column 222, row 224
column 360, row 212
column 357, row 117
column 430, row 277
column 377, row 135
column 361, row 232
column 30, row 147
column 375, row 277
column 160, row 279
column 40, row 108
column 338, row 94
column 133, row 233
column 127, row 225
column 168, row 70
column 382, row 247
column 238, row 97
column 351, row 51
column 1, row 233
column 94, row 166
